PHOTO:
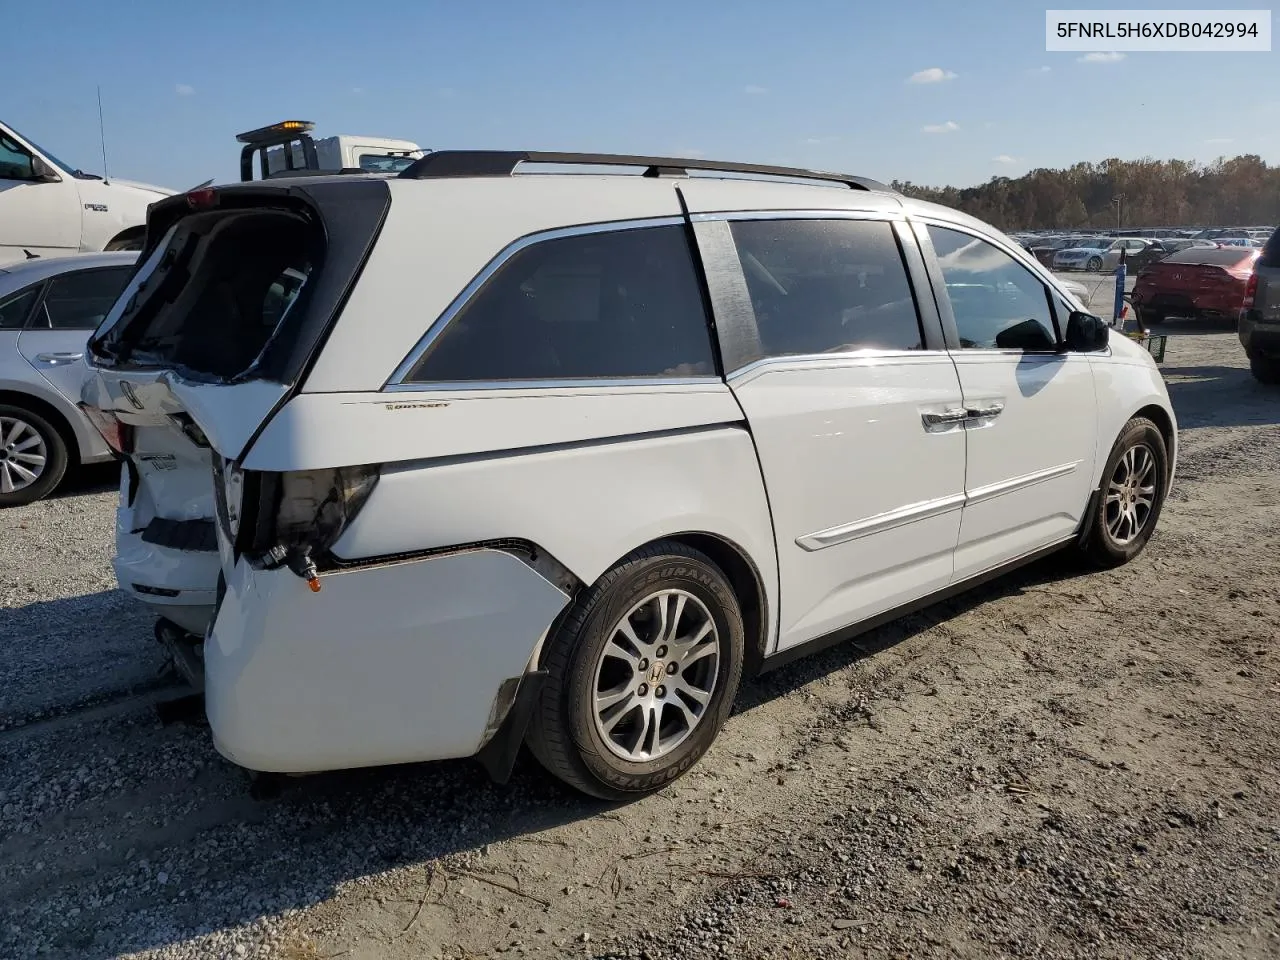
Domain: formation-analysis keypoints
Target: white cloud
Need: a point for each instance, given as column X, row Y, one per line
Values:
column 1044, row 69
column 1005, row 158
column 357, row 90
column 818, row 140
column 754, row 89
column 1112, row 57
column 1221, row 140
column 931, row 75
column 184, row 90
column 949, row 127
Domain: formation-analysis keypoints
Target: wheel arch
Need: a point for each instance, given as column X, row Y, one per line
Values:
column 126, row 235
column 748, row 586
column 744, row 577
column 51, row 413
column 1160, row 417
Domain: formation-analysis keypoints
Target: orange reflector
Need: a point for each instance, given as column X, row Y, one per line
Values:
column 314, row 584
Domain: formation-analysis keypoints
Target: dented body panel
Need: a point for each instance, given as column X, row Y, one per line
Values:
column 357, row 675
column 696, row 481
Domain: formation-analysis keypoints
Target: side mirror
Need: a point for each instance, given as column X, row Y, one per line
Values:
column 1086, row 333
column 43, row 172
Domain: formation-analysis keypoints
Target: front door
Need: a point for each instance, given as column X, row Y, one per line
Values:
column 1031, row 409
column 856, row 413
column 36, row 216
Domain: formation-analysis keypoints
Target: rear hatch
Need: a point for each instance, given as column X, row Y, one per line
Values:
column 235, row 291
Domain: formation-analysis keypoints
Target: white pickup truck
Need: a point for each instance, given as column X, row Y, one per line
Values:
column 49, row 208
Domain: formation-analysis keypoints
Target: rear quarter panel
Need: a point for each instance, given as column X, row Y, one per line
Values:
column 587, row 504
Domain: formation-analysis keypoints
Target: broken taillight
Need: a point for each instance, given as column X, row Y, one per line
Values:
column 118, row 434
column 292, row 519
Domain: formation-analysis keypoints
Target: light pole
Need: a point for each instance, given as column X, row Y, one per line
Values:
column 1118, row 200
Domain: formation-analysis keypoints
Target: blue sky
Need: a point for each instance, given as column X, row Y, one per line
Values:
column 809, row 82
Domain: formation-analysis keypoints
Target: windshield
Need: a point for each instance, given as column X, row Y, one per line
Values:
column 71, row 171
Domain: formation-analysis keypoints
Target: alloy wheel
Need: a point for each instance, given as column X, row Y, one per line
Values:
column 656, row 675
column 1131, row 494
column 23, row 454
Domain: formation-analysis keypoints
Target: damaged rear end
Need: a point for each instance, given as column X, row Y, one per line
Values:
column 241, row 498
column 234, row 293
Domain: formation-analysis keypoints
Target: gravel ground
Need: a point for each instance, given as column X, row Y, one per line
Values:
column 1061, row 764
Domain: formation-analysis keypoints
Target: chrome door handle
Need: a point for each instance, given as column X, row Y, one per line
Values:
column 58, row 359
column 933, row 420
column 985, row 413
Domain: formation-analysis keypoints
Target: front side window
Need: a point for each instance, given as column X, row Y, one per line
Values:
column 616, row 304
column 998, row 303
column 80, row 301
column 827, row 286
column 16, row 163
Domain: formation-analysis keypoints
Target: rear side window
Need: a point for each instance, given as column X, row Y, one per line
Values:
column 616, row 304
column 14, row 309
column 80, row 301
column 827, row 286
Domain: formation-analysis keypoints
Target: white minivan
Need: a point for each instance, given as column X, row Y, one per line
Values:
column 526, row 448
column 48, row 208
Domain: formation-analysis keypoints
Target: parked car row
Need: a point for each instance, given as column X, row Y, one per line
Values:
column 1101, row 253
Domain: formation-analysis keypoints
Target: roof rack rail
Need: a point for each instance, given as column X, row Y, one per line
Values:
column 501, row 163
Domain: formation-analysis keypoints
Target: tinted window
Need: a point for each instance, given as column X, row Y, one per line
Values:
column 624, row 303
column 827, row 286
column 79, row 301
column 14, row 310
column 998, row 303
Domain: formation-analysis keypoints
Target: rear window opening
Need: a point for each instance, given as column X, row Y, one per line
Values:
column 214, row 292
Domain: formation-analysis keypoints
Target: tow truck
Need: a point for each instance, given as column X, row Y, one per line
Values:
column 287, row 149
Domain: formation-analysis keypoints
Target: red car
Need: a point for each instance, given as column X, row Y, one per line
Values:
column 1202, row 283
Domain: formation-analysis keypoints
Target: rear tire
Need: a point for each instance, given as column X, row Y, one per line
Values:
column 1134, row 483
column 642, row 673
column 29, row 444
column 1149, row 317
column 1094, row 264
column 1265, row 369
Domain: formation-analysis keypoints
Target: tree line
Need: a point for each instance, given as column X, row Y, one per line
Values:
column 1241, row 191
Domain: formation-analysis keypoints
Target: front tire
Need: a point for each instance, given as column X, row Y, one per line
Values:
column 1094, row 265
column 1265, row 369
column 33, row 456
column 642, row 673
column 1134, row 484
column 126, row 242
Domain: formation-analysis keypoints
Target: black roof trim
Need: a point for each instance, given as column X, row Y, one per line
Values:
column 501, row 163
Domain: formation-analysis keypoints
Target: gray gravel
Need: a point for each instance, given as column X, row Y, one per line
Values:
column 67, row 635
column 1064, row 764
